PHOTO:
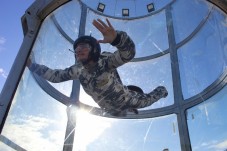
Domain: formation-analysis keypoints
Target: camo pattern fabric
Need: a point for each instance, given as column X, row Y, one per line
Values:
column 102, row 81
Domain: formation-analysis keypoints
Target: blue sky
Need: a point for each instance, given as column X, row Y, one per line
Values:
column 11, row 34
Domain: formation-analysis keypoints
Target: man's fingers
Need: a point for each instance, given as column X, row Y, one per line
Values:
column 98, row 25
column 103, row 24
column 108, row 22
column 106, row 29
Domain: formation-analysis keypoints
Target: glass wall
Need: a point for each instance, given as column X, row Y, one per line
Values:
column 203, row 54
column 97, row 133
column 181, row 45
column 207, row 124
column 186, row 18
column 36, row 121
column 144, row 32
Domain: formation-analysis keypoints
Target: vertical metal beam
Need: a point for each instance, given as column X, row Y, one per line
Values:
column 70, row 129
column 31, row 25
column 178, row 96
column 31, row 22
column 83, row 19
column 71, row 110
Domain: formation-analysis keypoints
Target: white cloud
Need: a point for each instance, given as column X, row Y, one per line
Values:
column 3, row 73
column 222, row 145
column 35, row 133
column 2, row 40
column 216, row 145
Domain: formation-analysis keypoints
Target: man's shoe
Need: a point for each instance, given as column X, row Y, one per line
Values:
column 161, row 91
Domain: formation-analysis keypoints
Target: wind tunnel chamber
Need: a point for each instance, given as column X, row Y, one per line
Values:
column 180, row 44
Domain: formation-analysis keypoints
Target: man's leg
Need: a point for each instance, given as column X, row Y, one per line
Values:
column 141, row 100
column 119, row 113
column 159, row 92
column 138, row 99
column 137, row 89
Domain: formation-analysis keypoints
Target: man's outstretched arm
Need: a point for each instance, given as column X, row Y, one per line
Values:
column 54, row 75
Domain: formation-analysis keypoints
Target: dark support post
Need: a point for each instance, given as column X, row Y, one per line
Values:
column 71, row 110
column 70, row 130
column 178, row 96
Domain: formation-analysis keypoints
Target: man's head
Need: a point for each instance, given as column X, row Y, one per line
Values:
column 87, row 49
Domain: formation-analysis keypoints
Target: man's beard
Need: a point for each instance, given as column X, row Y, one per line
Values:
column 85, row 61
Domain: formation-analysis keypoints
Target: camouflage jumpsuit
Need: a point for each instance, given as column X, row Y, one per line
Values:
column 102, row 81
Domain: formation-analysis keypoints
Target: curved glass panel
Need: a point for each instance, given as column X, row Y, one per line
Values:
column 145, row 33
column 68, row 17
column 145, row 75
column 186, row 18
column 32, row 122
column 51, row 49
column 202, row 56
column 207, row 124
column 137, row 8
column 95, row 133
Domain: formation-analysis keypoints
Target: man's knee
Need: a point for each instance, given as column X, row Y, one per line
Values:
column 135, row 88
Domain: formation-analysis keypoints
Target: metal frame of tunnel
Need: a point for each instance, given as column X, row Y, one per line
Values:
column 31, row 22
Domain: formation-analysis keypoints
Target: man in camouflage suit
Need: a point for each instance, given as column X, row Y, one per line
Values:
column 98, row 73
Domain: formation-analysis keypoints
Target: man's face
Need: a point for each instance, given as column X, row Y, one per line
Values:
column 82, row 52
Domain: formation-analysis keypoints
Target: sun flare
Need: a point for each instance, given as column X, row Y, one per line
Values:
column 88, row 128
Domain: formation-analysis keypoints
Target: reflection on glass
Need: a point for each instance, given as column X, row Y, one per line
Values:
column 51, row 49
column 202, row 60
column 148, row 75
column 144, row 32
column 68, row 17
column 4, row 147
column 36, row 121
column 207, row 124
column 95, row 133
column 186, row 18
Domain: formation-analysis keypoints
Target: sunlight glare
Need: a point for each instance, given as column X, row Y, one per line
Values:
column 88, row 129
